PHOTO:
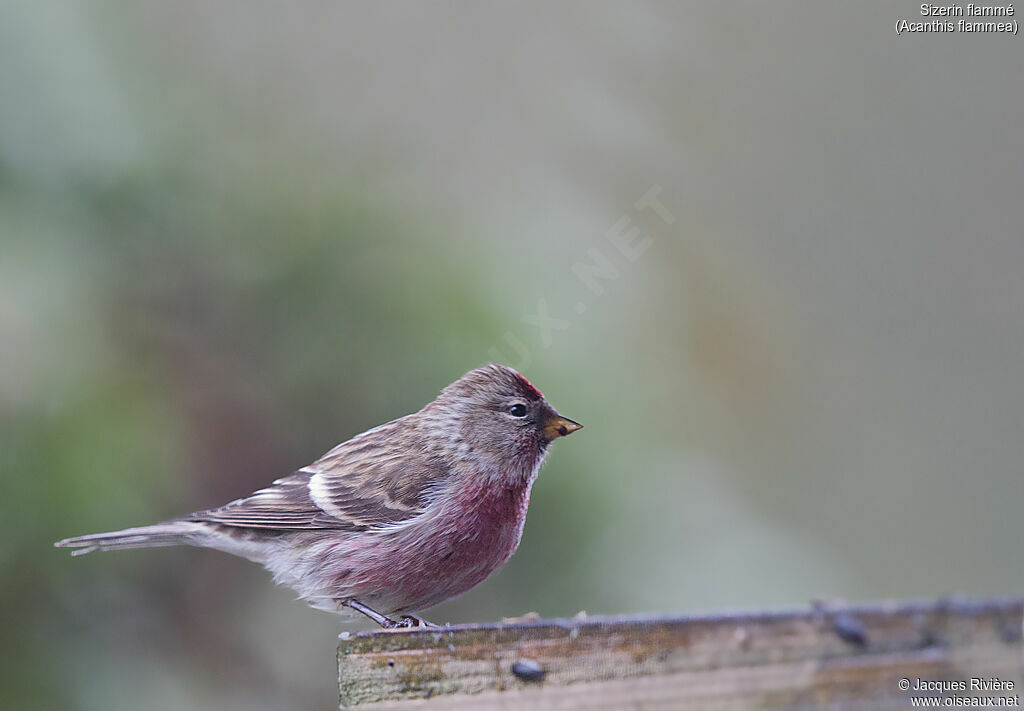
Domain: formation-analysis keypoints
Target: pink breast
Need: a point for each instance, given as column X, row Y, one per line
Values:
column 474, row 535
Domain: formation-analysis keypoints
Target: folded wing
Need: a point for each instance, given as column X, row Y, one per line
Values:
column 381, row 477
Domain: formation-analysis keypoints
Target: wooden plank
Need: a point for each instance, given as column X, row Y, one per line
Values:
column 837, row 657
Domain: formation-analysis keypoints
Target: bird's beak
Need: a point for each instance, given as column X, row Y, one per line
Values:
column 557, row 426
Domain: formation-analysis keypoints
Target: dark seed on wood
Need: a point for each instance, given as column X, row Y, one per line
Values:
column 850, row 630
column 528, row 670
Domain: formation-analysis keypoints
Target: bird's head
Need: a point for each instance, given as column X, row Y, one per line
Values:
column 496, row 412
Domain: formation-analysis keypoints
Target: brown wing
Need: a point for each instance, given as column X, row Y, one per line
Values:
column 367, row 481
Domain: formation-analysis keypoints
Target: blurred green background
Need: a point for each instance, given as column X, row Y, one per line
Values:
column 235, row 234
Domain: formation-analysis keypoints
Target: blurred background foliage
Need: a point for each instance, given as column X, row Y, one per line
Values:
column 235, row 234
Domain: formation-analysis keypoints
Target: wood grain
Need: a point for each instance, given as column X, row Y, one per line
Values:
column 834, row 657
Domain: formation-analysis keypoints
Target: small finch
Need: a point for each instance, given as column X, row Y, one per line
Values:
column 397, row 519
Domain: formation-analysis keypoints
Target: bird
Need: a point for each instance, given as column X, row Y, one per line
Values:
column 394, row 520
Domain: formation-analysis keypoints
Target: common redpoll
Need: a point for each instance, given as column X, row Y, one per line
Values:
column 397, row 519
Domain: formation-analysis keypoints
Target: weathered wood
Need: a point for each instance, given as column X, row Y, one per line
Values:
column 834, row 657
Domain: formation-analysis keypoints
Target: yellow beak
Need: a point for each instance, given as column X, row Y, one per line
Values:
column 558, row 426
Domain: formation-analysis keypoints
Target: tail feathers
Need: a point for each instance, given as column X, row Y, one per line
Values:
column 170, row 533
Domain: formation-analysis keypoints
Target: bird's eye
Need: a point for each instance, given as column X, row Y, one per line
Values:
column 517, row 410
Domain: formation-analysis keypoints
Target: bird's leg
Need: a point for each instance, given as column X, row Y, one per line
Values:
column 385, row 621
column 382, row 620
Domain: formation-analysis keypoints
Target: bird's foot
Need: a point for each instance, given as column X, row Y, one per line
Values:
column 412, row 621
column 407, row 622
